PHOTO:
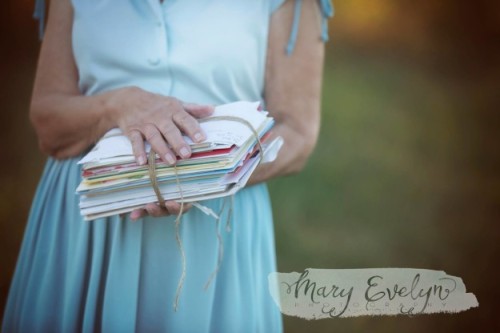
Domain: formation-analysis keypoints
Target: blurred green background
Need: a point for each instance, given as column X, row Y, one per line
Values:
column 405, row 173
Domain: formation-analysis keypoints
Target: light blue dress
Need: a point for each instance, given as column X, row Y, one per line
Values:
column 113, row 275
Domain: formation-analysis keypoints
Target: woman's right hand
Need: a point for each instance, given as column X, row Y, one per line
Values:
column 159, row 120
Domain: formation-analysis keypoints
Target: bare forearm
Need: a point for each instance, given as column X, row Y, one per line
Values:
column 66, row 122
column 67, row 125
column 293, row 89
column 297, row 148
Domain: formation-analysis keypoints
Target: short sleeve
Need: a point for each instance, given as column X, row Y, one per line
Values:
column 39, row 14
column 326, row 9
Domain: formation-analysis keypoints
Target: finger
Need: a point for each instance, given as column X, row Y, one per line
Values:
column 137, row 142
column 155, row 210
column 137, row 214
column 173, row 135
column 187, row 206
column 189, row 125
column 197, row 110
column 155, row 138
column 175, row 208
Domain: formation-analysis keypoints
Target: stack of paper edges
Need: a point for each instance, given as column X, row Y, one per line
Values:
column 113, row 183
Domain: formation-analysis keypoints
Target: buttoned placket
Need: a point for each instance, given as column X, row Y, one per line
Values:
column 161, row 51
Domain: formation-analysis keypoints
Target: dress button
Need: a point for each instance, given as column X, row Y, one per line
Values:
column 154, row 61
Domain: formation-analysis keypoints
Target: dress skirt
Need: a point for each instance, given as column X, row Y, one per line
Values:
column 115, row 275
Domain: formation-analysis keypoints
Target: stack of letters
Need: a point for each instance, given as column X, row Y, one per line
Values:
column 113, row 183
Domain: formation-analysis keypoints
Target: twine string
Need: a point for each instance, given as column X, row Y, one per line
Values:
column 179, row 242
column 161, row 201
column 152, row 177
column 230, row 214
column 220, row 253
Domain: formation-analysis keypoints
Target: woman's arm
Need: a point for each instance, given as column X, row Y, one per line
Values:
column 67, row 122
column 293, row 88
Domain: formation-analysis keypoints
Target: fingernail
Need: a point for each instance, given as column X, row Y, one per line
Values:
column 198, row 137
column 141, row 160
column 134, row 215
column 184, row 152
column 170, row 159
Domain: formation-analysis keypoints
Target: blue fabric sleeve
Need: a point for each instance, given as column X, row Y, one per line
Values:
column 39, row 14
column 326, row 9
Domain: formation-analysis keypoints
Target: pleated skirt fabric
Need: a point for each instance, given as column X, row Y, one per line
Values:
column 115, row 275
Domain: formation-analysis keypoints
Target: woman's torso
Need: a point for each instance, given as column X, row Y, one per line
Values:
column 203, row 51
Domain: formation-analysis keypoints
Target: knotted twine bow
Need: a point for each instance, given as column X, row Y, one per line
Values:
column 161, row 202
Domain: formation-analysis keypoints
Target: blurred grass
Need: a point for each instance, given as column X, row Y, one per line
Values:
column 381, row 165
column 387, row 164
